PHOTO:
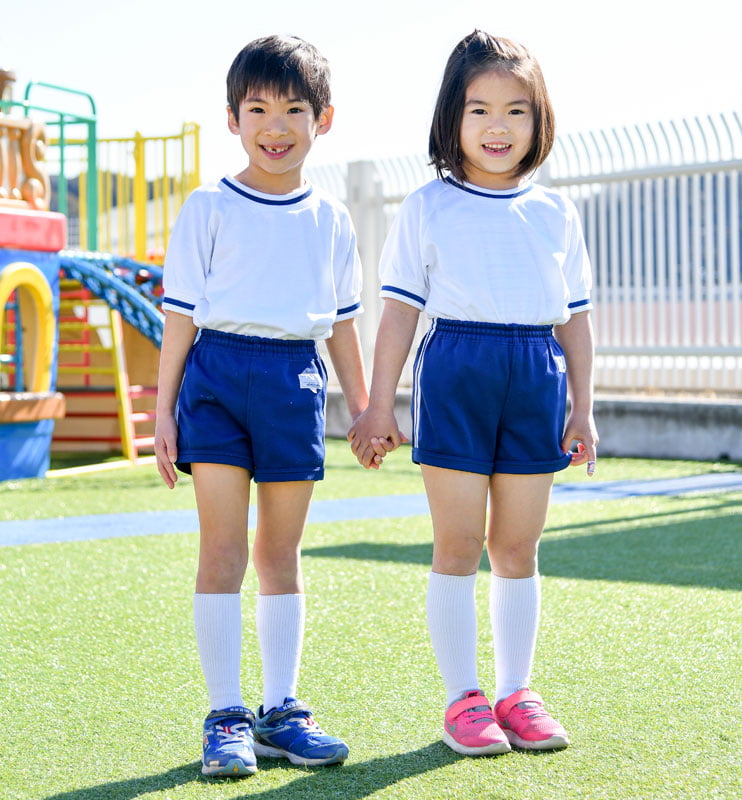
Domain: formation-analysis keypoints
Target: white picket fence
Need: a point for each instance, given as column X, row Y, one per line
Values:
column 660, row 206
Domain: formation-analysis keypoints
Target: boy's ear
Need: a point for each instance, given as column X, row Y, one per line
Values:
column 324, row 123
column 232, row 123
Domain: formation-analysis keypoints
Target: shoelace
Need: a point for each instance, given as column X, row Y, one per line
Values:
column 305, row 720
column 232, row 734
column 478, row 714
column 531, row 709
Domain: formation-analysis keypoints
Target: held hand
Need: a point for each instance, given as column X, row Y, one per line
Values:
column 166, row 449
column 372, row 436
column 581, row 428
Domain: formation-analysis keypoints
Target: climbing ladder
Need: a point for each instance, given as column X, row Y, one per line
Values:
column 103, row 409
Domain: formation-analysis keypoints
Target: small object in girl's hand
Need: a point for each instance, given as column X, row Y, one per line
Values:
column 590, row 467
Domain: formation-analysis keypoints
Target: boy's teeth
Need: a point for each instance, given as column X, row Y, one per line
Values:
column 282, row 149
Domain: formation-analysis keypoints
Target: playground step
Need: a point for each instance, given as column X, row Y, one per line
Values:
column 104, row 412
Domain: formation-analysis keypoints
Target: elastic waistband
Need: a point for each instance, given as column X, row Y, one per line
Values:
column 258, row 345
column 511, row 333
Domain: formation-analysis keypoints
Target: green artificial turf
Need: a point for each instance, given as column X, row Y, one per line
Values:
column 141, row 488
column 638, row 654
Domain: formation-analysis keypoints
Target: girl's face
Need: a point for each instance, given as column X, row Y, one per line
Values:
column 496, row 129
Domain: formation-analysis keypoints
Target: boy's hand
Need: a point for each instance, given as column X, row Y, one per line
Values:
column 368, row 446
column 166, row 448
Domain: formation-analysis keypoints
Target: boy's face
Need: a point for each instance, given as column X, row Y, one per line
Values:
column 277, row 133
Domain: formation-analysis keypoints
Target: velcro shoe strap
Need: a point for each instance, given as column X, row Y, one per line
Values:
column 524, row 695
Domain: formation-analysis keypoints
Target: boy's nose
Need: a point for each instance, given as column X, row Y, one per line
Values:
column 275, row 125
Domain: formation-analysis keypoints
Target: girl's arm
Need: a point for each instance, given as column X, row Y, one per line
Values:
column 576, row 339
column 376, row 430
column 177, row 338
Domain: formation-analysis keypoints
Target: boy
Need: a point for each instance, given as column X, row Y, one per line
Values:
column 258, row 268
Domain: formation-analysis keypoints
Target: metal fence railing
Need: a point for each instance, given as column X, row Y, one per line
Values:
column 660, row 206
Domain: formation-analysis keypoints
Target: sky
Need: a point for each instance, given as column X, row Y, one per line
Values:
column 151, row 65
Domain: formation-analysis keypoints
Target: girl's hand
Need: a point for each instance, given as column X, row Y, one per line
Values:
column 368, row 446
column 166, row 448
column 581, row 428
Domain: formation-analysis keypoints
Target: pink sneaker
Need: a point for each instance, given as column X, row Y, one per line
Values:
column 526, row 723
column 470, row 727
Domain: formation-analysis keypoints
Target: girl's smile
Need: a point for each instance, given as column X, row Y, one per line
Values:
column 496, row 129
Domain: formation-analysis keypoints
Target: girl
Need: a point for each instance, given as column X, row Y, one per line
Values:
column 500, row 266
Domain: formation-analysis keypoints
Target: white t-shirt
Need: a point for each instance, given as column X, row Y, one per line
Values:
column 276, row 266
column 511, row 257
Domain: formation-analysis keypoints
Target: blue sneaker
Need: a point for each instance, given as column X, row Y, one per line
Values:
column 290, row 731
column 228, row 742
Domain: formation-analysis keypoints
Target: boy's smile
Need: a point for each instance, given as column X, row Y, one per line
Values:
column 277, row 133
column 496, row 129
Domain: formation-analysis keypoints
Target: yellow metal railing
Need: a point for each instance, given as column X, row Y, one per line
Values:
column 142, row 183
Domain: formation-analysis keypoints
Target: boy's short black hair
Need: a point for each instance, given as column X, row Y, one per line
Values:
column 475, row 54
column 282, row 65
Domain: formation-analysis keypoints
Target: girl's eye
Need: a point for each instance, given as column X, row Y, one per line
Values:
column 478, row 111
column 517, row 111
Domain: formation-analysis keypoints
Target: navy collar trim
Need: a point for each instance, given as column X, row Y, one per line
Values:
column 490, row 195
column 266, row 201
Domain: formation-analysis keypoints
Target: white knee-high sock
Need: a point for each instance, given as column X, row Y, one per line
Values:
column 515, row 605
column 452, row 620
column 280, row 625
column 218, row 621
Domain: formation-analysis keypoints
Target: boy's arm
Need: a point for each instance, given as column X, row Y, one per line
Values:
column 177, row 338
column 576, row 339
column 376, row 429
column 344, row 347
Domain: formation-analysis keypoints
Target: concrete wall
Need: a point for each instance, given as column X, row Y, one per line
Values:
column 628, row 426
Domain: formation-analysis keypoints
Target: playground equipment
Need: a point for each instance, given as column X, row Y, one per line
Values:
column 31, row 238
column 96, row 314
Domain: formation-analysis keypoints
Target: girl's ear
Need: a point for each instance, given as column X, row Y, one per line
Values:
column 232, row 123
column 324, row 123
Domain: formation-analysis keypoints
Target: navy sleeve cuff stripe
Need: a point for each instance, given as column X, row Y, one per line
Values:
column 579, row 303
column 348, row 309
column 171, row 302
column 412, row 296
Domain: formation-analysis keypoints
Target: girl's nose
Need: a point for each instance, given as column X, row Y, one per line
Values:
column 497, row 125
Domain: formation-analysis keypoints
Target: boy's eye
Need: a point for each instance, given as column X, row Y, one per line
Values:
column 296, row 110
column 256, row 110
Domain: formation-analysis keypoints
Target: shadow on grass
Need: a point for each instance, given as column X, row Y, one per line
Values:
column 696, row 552
column 352, row 781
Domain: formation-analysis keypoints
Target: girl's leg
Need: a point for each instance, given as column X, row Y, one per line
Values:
column 518, row 507
column 222, row 496
column 282, row 514
column 458, row 504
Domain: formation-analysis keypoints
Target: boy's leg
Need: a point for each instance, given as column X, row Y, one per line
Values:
column 518, row 507
column 285, row 726
column 222, row 496
column 282, row 514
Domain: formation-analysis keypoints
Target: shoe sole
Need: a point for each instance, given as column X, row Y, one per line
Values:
column 494, row 749
column 234, row 768
column 266, row 751
column 552, row 743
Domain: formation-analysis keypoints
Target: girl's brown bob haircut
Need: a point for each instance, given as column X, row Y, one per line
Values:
column 475, row 54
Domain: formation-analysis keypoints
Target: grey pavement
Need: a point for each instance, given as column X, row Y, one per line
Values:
column 147, row 523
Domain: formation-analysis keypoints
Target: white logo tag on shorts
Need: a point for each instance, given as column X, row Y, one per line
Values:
column 561, row 363
column 311, row 381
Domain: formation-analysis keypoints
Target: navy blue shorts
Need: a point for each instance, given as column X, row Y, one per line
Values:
column 254, row 403
column 489, row 398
